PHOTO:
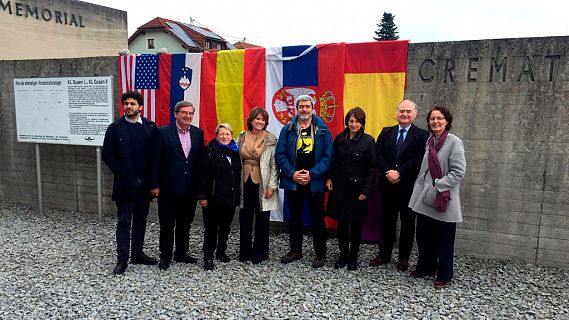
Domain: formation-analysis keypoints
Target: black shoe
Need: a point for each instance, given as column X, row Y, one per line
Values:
column 186, row 258
column 208, row 265
column 353, row 264
column 318, row 262
column 143, row 259
column 164, row 264
column 290, row 257
column 223, row 257
column 244, row 258
column 120, row 267
column 340, row 263
column 257, row 260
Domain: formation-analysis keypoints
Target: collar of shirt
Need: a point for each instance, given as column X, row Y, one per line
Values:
column 404, row 132
column 182, row 131
column 139, row 120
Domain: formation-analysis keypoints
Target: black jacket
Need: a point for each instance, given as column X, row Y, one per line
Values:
column 116, row 154
column 220, row 180
column 352, row 174
column 409, row 159
column 173, row 173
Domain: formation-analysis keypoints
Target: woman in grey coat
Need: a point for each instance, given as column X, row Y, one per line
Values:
column 436, row 198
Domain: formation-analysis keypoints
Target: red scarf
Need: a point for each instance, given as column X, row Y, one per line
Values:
column 443, row 197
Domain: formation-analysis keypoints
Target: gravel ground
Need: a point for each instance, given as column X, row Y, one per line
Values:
column 59, row 265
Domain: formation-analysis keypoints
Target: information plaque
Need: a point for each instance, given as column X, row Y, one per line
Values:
column 75, row 110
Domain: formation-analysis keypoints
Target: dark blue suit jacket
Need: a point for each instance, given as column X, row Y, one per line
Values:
column 173, row 173
column 410, row 157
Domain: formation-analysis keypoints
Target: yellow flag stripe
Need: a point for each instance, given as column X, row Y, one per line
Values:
column 229, row 88
column 377, row 94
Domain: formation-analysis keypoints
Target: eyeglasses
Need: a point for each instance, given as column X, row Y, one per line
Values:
column 186, row 113
column 437, row 118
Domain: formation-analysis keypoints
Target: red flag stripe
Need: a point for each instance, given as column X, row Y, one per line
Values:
column 165, row 73
column 208, row 114
column 376, row 57
column 253, row 81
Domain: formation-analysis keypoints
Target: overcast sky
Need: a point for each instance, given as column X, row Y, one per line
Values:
column 294, row 22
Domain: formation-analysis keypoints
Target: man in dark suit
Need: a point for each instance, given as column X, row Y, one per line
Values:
column 127, row 151
column 174, row 183
column 399, row 151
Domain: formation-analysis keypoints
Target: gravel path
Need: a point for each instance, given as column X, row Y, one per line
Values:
column 59, row 265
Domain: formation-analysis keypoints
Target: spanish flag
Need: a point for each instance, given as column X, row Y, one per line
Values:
column 232, row 83
column 374, row 79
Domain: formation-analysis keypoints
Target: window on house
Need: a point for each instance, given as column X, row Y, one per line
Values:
column 208, row 45
column 150, row 43
column 218, row 46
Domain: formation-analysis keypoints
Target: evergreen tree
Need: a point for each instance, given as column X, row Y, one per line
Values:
column 386, row 28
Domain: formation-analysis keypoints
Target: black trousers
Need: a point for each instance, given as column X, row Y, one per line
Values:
column 435, row 240
column 258, row 249
column 395, row 203
column 315, row 202
column 175, row 214
column 131, row 224
column 217, row 223
column 349, row 238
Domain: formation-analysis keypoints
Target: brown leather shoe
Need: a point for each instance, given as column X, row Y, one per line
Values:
column 440, row 284
column 416, row 274
column 376, row 262
column 290, row 257
column 403, row 265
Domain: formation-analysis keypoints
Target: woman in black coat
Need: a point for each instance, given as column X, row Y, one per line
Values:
column 351, row 183
column 219, row 192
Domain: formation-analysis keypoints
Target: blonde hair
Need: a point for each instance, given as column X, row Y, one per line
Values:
column 223, row 125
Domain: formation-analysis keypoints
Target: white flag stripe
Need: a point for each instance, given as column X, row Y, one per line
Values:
column 192, row 94
column 274, row 81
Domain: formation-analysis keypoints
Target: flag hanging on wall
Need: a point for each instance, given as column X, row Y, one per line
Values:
column 225, row 85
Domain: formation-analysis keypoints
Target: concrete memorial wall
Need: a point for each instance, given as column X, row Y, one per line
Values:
column 508, row 99
column 40, row 29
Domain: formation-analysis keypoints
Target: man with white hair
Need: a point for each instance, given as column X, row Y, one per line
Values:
column 399, row 151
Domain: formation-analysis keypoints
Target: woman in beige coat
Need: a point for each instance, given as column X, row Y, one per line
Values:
column 259, row 186
column 436, row 198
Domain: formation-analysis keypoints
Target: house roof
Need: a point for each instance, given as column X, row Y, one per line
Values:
column 190, row 36
column 245, row 45
column 182, row 35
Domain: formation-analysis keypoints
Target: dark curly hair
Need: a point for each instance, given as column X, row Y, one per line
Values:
column 134, row 95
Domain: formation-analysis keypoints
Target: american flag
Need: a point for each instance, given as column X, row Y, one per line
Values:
column 140, row 73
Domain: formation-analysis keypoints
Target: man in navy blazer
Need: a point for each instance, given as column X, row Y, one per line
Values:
column 399, row 150
column 175, row 185
column 127, row 151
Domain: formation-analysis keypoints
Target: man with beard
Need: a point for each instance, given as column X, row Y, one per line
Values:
column 304, row 155
column 127, row 152
column 175, row 183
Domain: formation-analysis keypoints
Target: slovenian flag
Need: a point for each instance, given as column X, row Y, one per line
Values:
column 180, row 78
